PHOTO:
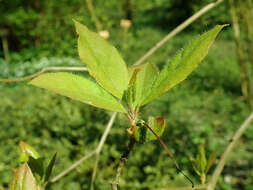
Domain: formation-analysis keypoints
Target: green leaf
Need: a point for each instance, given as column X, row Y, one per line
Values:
column 182, row 64
column 103, row 61
column 78, row 88
column 145, row 78
column 201, row 159
column 27, row 151
column 50, row 169
column 37, row 167
column 210, row 162
column 157, row 125
column 140, row 133
column 23, row 179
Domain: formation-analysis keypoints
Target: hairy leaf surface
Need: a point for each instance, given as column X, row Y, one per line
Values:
column 182, row 64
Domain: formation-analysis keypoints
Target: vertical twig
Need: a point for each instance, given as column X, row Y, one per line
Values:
column 100, row 145
column 242, row 65
column 123, row 159
column 6, row 49
column 93, row 15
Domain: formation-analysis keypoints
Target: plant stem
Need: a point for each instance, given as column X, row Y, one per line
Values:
column 178, row 29
column 46, row 69
column 227, row 151
column 123, row 159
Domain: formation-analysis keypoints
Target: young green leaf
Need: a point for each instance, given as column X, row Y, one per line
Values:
column 103, row 61
column 201, row 159
column 182, row 64
column 78, row 88
column 27, row 151
column 49, row 169
column 142, row 134
column 23, row 179
column 210, row 162
column 157, row 125
column 144, row 80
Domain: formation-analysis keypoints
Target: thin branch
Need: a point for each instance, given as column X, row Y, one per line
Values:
column 241, row 57
column 201, row 187
column 46, row 69
column 93, row 15
column 178, row 29
column 122, row 161
column 222, row 161
column 97, row 151
column 73, row 166
column 100, row 145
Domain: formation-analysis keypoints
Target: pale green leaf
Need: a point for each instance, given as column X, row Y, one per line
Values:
column 145, row 78
column 210, row 162
column 201, row 159
column 182, row 64
column 78, row 88
column 157, row 125
column 103, row 61
column 23, row 179
column 27, row 151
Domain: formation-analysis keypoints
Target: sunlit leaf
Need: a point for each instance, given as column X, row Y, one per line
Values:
column 201, row 159
column 23, row 179
column 78, row 88
column 183, row 64
column 103, row 61
column 27, row 151
column 157, row 125
column 145, row 78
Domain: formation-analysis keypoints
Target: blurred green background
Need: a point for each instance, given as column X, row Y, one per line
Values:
column 206, row 108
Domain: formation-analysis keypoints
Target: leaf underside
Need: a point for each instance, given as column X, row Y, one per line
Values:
column 78, row 88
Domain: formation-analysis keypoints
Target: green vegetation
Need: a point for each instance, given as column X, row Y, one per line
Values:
column 205, row 109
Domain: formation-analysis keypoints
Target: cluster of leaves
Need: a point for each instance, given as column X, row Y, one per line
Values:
column 120, row 88
column 31, row 175
column 200, row 164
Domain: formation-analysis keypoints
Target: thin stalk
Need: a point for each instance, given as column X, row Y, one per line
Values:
column 170, row 154
column 122, row 161
column 46, row 69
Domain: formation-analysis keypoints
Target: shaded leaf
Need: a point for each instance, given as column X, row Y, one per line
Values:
column 23, row 179
column 103, row 61
column 50, row 169
column 78, row 88
column 140, row 133
column 182, row 64
column 210, row 162
column 37, row 167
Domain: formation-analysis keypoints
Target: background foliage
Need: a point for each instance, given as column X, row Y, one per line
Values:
column 205, row 109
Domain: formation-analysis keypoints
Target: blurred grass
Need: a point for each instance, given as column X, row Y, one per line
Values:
column 206, row 108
